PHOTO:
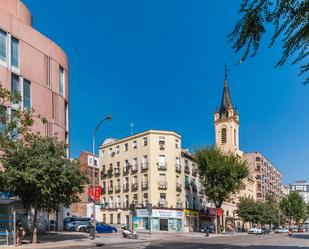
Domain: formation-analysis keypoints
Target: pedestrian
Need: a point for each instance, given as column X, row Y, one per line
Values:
column 20, row 232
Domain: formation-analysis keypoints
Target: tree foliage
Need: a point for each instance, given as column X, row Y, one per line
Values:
column 221, row 174
column 258, row 212
column 290, row 21
column 294, row 207
column 35, row 168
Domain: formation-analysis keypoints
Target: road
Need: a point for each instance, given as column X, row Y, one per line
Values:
column 276, row 241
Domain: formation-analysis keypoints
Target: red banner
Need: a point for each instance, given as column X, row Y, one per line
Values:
column 219, row 211
column 95, row 193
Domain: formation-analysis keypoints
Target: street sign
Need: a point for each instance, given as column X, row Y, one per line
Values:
column 95, row 193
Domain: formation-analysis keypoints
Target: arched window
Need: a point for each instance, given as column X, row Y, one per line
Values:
column 223, row 136
column 235, row 140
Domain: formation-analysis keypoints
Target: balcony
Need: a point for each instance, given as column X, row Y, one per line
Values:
column 187, row 169
column 144, row 184
column 125, row 170
column 162, row 203
column 110, row 172
column 126, row 205
column 117, row 171
column 179, row 205
column 134, row 186
column 110, row 190
column 162, row 166
column 103, row 190
column 178, row 167
column 162, row 146
column 126, row 187
column 117, row 188
column 103, row 174
column 134, row 169
column 178, row 187
column 187, row 186
column 144, row 166
column 162, row 185
column 194, row 172
column 117, row 205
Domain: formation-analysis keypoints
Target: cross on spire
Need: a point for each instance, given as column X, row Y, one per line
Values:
column 225, row 71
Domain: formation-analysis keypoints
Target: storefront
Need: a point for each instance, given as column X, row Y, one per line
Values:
column 7, row 222
column 191, row 221
column 206, row 221
column 161, row 219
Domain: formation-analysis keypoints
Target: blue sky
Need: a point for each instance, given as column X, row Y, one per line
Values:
column 159, row 64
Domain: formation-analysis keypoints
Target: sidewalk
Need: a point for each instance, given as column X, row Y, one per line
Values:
column 70, row 239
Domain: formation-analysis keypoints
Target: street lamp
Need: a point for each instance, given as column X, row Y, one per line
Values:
column 109, row 117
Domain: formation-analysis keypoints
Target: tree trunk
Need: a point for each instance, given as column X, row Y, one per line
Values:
column 218, row 224
column 34, row 226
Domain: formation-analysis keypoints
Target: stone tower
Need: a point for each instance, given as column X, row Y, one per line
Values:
column 227, row 123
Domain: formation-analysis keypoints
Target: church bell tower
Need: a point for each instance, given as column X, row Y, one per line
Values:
column 227, row 123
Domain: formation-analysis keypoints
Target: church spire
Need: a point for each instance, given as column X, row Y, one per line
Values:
column 226, row 102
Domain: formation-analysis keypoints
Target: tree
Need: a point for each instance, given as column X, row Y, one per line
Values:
column 290, row 21
column 247, row 210
column 221, row 175
column 35, row 168
column 294, row 207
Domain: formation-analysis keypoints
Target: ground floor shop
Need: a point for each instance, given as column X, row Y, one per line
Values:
column 191, row 221
column 160, row 220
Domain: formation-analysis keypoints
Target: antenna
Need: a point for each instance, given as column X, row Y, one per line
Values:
column 131, row 127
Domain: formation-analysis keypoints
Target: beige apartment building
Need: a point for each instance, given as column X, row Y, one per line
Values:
column 268, row 177
column 140, row 169
column 150, row 167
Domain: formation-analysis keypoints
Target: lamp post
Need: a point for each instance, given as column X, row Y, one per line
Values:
column 109, row 117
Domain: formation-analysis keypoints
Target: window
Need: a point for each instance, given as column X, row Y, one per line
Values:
column 162, row 160
column 111, row 219
column 110, row 151
column 3, row 117
column 176, row 144
column 117, row 149
column 145, row 141
column 104, row 218
column 223, row 136
column 14, row 119
column 15, row 86
column 135, row 144
column 126, row 147
column 2, row 46
column 26, row 94
column 15, row 53
column 118, row 218
column 235, row 140
column 162, row 142
column 61, row 81
column 162, row 199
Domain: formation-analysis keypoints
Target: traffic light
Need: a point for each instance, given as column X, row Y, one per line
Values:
column 133, row 209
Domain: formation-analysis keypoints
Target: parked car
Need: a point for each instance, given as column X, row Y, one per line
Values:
column 265, row 230
column 103, row 228
column 82, row 227
column 301, row 230
column 70, row 219
column 255, row 230
column 71, row 226
column 281, row 230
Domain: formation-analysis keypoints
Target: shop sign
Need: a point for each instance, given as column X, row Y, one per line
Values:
column 160, row 213
column 189, row 213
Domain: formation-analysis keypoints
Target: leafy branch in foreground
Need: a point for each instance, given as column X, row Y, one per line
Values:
column 290, row 19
